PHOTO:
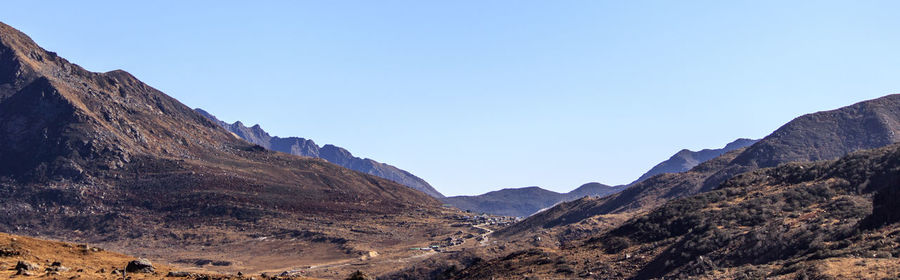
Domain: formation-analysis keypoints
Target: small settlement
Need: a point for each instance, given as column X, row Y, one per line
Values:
column 484, row 224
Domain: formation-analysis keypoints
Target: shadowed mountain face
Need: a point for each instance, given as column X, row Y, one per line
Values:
column 522, row 202
column 816, row 136
column 686, row 159
column 334, row 154
column 103, row 157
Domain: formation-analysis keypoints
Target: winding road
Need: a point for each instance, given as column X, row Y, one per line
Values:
column 484, row 236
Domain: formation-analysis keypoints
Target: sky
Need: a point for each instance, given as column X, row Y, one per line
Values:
column 474, row 96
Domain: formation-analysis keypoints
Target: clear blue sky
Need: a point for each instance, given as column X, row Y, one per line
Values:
column 479, row 95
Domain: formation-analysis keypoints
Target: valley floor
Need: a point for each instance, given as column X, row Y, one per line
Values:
column 270, row 256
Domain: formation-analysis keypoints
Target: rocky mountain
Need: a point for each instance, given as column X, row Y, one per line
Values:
column 817, row 136
column 107, row 159
column 522, row 202
column 686, row 159
column 822, row 136
column 334, row 154
column 823, row 220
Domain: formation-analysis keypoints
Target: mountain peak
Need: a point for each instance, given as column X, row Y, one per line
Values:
column 864, row 125
column 686, row 159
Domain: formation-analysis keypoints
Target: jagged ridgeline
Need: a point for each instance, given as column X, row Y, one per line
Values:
column 331, row 153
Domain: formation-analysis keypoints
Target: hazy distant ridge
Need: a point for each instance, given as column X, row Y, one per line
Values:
column 522, row 202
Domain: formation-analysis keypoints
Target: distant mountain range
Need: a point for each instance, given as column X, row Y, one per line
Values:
column 686, row 159
column 522, row 202
column 334, row 154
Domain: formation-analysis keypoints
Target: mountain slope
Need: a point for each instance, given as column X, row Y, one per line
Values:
column 822, row 136
column 686, row 159
column 823, row 220
column 522, row 202
column 334, row 154
column 816, row 136
column 105, row 158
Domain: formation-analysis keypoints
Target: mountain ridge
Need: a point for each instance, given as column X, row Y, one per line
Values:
column 522, row 202
column 814, row 136
column 331, row 153
column 686, row 159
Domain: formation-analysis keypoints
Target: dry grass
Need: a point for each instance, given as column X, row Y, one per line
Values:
column 83, row 263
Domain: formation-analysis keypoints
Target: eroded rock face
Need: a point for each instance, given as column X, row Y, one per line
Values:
column 141, row 265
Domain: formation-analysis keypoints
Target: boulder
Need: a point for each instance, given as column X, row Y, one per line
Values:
column 56, row 267
column 141, row 265
column 178, row 274
column 27, row 266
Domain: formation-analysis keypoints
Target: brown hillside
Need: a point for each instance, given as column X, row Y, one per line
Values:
column 105, row 158
column 823, row 220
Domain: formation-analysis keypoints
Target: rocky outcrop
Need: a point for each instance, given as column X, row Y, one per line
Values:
column 24, row 265
column 141, row 265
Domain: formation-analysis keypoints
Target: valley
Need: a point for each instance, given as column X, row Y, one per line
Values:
column 103, row 176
